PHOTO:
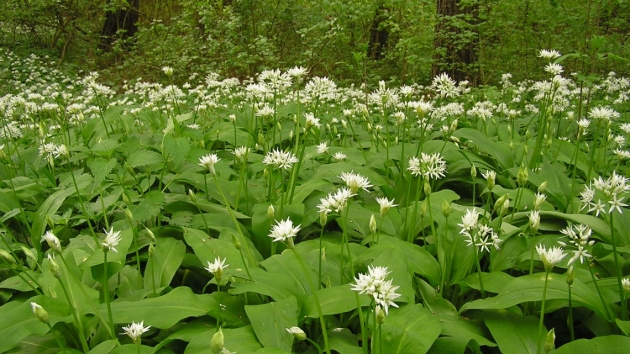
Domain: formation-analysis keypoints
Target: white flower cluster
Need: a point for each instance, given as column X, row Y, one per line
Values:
column 610, row 191
column 430, row 166
column 284, row 231
column 52, row 151
column 355, row 181
column 335, row 201
column 280, row 159
column 478, row 234
column 375, row 285
column 579, row 237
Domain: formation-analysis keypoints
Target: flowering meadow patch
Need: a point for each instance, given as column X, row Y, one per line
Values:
column 287, row 214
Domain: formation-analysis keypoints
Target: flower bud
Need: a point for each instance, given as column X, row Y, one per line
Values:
column 323, row 218
column 543, row 187
column 446, row 208
column 373, row 224
column 192, row 195
column 151, row 235
column 217, row 342
column 129, row 216
column 522, row 176
column 473, row 171
column 502, row 204
column 534, row 221
column 423, row 208
column 550, row 340
column 297, row 333
column 427, row 188
column 50, row 222
column 39, row 311
column 237, row 242
column 271, row 212
column 7, row 256
column 53, row 266
column 380, row 315
column 570, row 275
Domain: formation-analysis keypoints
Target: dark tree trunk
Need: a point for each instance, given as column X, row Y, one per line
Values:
column 454, row 53
column 121, row 19
column 378, row 36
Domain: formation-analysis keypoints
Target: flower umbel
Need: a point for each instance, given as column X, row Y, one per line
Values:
column 550, row 257
column 112, row 239
column 209, row 161
column 52, row 241
column 135, row 330
column 284, row 231
column 375, row 285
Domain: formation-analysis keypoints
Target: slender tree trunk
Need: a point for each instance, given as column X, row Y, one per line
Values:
column 122, row 19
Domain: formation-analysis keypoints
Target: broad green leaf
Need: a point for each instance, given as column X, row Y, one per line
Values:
column 513, row 333
column 239, row 340
column 132, row 349
column 605, row 344
column 149, row 207
column 271, row 320
column 104, row 347
column 530, row 288
column 160, row 312
column 287, row 265
column 333, row 301
column 450, row 345
column 344, row 342
column 418, row 259
column 274, row 285
column 230, row 309
column 208, row 249
column 105, row 147
column 487, row 145
column 143, row 157
column 163, row 263
column 410, row 329
column 18, row 320
column 40, row 344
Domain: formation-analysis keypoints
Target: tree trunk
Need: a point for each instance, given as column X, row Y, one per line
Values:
column 455, row 43
column 124, row 19
column 378, row 36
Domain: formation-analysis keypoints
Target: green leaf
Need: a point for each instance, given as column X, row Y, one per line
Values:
column 101, row 168
column 176, row 148
column 105, row 147
column 163, row 263
column 271, row 320
column 333, row 301
column 274, row 285
column 410, row 329
column 605, row 344
column 239, row 340
column 143, row 157
column 485, row 144
column 160, row 312
column 208, row 249
column 149, row 207
column 530, row 288
column 344, row 342
column 513, row 333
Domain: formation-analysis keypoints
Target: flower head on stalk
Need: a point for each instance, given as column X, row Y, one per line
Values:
column 385, row 204
column 355, row 181
column 550, row 257
column 52, row 241
column 578, row 236
column 549, row 54
column 112, row 239
column 216, row 268
column 375, row 285
column 431, row 166
column 209, row 161
column 135, row 330
column 335, row 201
column 478, row 234
column 280, row 159
column 284, row 231
column 612, row 191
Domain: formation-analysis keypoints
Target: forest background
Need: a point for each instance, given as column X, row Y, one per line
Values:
column 351, row 41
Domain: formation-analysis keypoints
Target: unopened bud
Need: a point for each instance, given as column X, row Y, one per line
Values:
column 237, row 242
column 151, row 235
column 50, row 222
column 192, row 195
column 380, row 315
column 473, row 171
column 217, row 342
column 373, row 224
column 53, row 266
column 271, row 212
column 570, row 275
column 323, row 217
column 446, row 208
column 423, row 208
column 427, row 188
column 297, row 333
column 522, row 176
column 129, row 216
column 543, row 187
column 550, row 340
column 502, row 204
column 39, row 311
column 7, row 256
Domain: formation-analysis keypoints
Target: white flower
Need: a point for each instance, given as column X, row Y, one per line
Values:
column 603, row 113
column 297, row 72
column 265, row 111
column 241, row 152
column 375, row 285
column 335, row 201
column 355, row 181
column 539, row 199
column 168, row 71
column 554, row 69
column 311, row 121
column 280, row 159
column 625, row 283
column 135, row 330
column 385, row 204
column 209, row 161
column 583, row 123
column 550, row 257
column 534, row 220
column 338, row 156
column 430, row 166
column 548, row 54
column 284, row 230
column 112, row 239
column 469, row 220
column 52, row 241
column 322, row 148
column 217, row 266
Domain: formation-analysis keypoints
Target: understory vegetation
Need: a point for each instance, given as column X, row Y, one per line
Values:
column 286, row 213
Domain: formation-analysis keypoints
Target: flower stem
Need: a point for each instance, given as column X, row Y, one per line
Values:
column 541, row 334
column 106, row 291
column 316, row 298
column 59, row 342
column 618, row 271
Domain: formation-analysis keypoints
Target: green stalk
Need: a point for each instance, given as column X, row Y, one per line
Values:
column 541, row 335
column 59, row 342
column 570, row 318
column 106, row 291
column 478, row 263
column 618, row 271
column 75, row 315
column 601, row 296
column 414, row 216
column 237, row 226
column 316, row 298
